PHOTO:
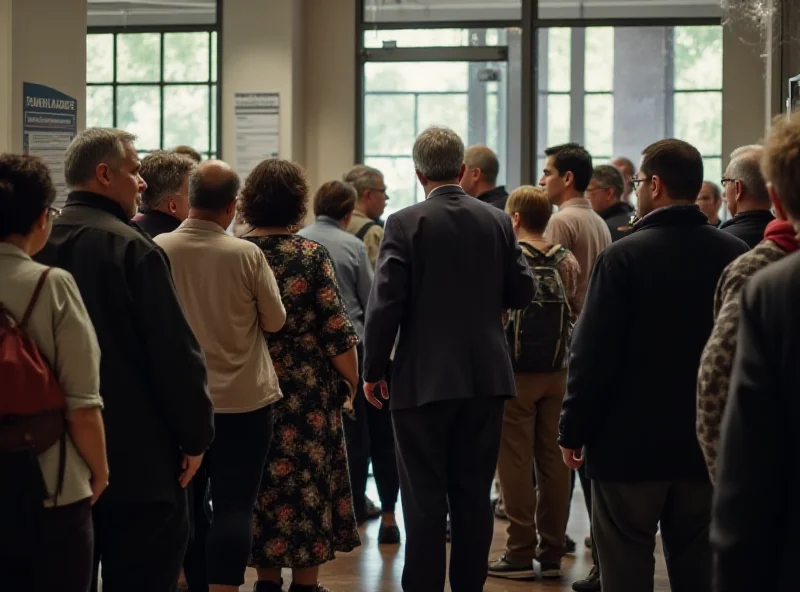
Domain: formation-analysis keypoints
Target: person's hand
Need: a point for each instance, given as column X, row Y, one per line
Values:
column 98, row 484
column 572, row 458
column 190, row 465
column 369, row 392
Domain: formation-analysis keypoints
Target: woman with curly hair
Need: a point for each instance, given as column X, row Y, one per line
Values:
column 304, row 512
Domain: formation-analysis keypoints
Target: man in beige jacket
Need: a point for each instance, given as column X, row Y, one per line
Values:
column 230, row 297
column 370, row 204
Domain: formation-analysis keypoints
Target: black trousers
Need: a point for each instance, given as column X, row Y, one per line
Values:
column 371, row 436
column 586, row 486
column 140, row 545
column 447, row 454
column 235, row 466
column 625, row 519
column 194, row 563
column 59, row 556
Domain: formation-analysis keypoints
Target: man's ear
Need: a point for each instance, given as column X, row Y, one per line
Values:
column 464, row 170
column 422, row 178
column 103, row 174
column 569, row 178
column 172, row 206
column 777, row 204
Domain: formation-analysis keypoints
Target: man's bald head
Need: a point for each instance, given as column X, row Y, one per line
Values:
column 483, row 158
column 213, row 186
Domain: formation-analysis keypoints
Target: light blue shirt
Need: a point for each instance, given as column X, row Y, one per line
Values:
column 353, row 269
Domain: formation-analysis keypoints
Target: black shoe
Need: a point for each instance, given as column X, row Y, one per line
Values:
column 571, row 545
column 590, row 584
column 389, row 535
column 265, row 586
column 551, row 570
column 372, row 511
column 503, row 568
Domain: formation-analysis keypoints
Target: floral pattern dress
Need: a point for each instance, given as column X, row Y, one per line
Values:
column 304, row 510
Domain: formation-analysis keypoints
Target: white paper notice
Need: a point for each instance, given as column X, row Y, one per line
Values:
column 257, row 129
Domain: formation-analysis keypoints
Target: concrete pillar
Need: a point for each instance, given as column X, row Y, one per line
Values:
column 744, row 101
column 42, row 42
column 640, row 88
column 262, row 51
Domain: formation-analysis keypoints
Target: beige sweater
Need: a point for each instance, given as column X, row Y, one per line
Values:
column 585, row 234
column 230, row 297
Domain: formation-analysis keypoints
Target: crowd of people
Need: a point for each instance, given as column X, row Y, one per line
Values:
column 224, row 373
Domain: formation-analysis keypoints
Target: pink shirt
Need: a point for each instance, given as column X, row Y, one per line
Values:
column 584, row 233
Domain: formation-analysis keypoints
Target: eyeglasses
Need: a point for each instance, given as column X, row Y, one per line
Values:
column 380, row 190
column 725, row 180
column 636, row 181
column 53, row 212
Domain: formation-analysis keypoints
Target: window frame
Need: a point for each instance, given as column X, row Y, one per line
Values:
column 213, row 85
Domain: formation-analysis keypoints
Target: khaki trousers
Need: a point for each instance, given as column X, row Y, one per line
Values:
column 530, row 431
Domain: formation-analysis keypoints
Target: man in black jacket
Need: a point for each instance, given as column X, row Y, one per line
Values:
column 447, row 270
column 480, row 177
column 747, row 197
column 158, row 413
column 632, row 379
column 605, row 193
column 165, row 202
column 755, row 496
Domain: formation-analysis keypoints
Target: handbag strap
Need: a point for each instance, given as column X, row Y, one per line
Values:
column 36, row 291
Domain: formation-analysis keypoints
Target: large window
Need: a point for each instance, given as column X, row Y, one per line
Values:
column 160, row 86
column 617, row 89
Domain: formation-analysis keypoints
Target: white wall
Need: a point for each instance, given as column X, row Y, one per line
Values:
column 260, row 48
column 41, row 41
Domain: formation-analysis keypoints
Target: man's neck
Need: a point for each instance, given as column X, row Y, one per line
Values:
column 529, row 235
column 360, row 209
column 434, row 185
column 484, row 188
column 567, row 196
column 162, row 210
column 23, row 243
column 217, row 218
column 714, row 221
column 747, row 206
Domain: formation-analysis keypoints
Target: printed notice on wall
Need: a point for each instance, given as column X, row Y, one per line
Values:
column 49, row 123
column 257, row 129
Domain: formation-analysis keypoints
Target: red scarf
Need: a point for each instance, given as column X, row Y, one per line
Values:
column 783, row 234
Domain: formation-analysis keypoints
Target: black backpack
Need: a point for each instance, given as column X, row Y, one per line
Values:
column 538, row 335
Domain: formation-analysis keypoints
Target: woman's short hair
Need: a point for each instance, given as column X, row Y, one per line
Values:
column 533, row 207
column 274, row 194
column 335, row 199
column 26, row 190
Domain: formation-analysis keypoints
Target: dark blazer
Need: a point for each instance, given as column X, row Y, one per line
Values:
column 155, row 222
column 755, row 498
column 636, row 349
column 496, row 197
column 618, row 219
column 447, row 269
column 749, row 226
column 152, row 370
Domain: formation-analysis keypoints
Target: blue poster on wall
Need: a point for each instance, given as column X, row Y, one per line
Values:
column 49, row 124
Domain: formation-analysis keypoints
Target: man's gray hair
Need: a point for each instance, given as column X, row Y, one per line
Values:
column 363, row 178
column 164, row 172
column 609, row 176
column 91, row 148
column 439, row 154
column 745, row 166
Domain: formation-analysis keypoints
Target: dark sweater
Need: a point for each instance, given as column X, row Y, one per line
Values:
column 636, row 349
column 749, row 226
column 152, row 369
column 618, row 219
column 155, row 222
column 496, row 197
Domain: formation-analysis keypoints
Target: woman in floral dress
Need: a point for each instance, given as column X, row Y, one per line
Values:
column 304, row 512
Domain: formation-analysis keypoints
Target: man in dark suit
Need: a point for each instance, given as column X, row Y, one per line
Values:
column 447, row 270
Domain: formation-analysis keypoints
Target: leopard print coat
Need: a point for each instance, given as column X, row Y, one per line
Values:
column 716, row 362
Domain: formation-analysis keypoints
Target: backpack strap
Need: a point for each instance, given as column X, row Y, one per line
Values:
column 362, row 232
column 36, row 291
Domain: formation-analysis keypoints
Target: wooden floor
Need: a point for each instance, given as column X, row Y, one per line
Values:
column 377, row 568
